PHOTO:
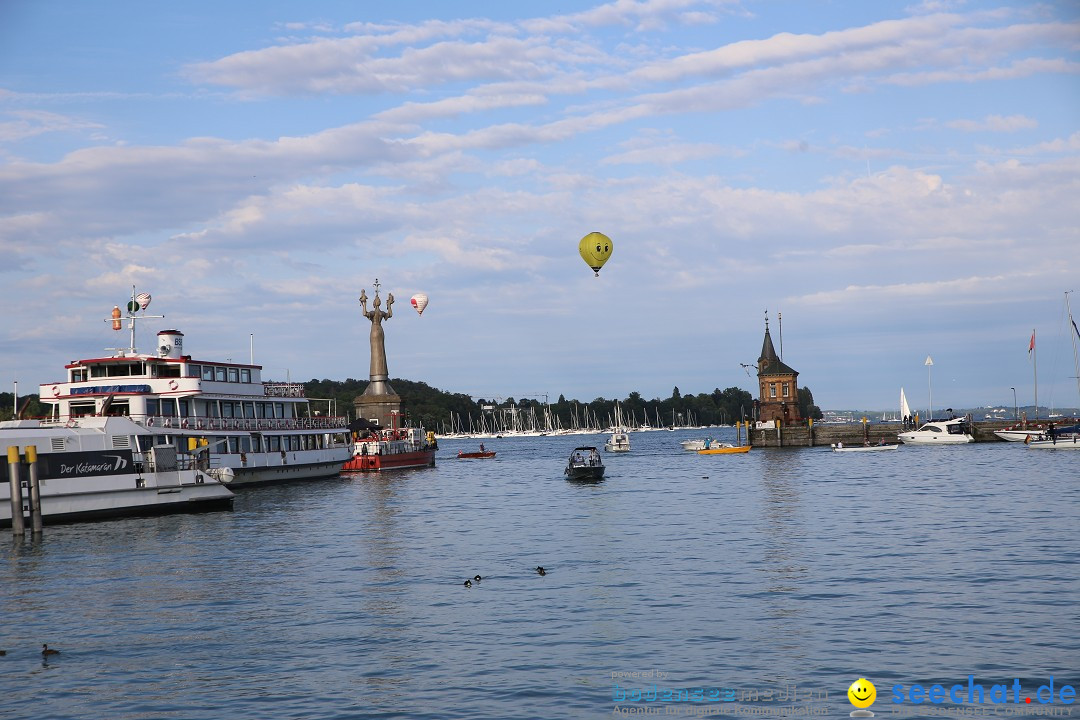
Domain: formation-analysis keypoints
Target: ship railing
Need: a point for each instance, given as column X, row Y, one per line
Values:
column 173, row 422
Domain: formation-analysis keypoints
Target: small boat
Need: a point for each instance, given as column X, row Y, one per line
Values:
column 618, row 442
column 955, row 431
column 1066, row 438
column 585, row 463
column 840, row 447
column 1020, row 434
column 724, row 449
column 482, row 454
column 107, row 466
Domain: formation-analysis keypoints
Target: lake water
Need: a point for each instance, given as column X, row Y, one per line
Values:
column 776, row 578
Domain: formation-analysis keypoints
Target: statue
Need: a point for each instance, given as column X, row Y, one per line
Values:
column 378, row 398
column 378, row 344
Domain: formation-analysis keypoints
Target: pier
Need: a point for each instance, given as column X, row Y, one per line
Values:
column 810, row 434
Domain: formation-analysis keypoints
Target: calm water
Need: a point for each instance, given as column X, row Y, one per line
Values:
column 344, row 598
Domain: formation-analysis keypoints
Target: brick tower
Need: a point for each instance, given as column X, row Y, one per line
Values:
column 779, row 389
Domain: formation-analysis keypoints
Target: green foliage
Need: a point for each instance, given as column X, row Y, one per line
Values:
column 807, row 408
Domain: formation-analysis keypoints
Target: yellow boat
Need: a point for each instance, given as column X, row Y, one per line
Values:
column 725, row 450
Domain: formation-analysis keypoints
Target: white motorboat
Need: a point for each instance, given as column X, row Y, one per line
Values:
column 98, row 467
column 1020, row 435
column 252, row 431
column 618, row 442
column 696, row 444
column 841, row 447
column 955, row 431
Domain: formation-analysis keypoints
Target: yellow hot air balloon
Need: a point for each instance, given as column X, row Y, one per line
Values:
column 595, row 249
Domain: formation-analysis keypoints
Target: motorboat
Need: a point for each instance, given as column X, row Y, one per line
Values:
column 585, row 463
column 1019, row 433
column 104, row 466
column 251, row 430
column 618, row 442
column 841, row 447
column 724, row 449
column 955, row 431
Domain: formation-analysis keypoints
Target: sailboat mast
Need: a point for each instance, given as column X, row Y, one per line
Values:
column 1035, row 370
column 1075, row 335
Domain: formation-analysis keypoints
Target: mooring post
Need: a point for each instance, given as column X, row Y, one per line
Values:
column 18, row 527
column 35, row 490
column 810, row 432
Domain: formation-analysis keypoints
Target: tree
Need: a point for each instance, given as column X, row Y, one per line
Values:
column 807, row 408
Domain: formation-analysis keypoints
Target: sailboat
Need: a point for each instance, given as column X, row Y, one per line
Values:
column 619, row 440
column 905, row 410
column 1063, row 437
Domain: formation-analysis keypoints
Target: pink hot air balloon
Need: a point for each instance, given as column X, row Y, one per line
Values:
column 419, row 301
column 143, row 299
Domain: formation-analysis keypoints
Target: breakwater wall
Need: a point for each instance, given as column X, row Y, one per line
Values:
column 821, row 434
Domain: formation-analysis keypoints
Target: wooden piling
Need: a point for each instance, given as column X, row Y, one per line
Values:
column 18, row 527
column 35, row 490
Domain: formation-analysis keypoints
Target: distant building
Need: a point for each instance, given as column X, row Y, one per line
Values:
column 779, row 389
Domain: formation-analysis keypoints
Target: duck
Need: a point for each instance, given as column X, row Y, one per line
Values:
column 540, row 570
column 46, row 650
column 478, row 578
column 468, row 583
column 3, row 653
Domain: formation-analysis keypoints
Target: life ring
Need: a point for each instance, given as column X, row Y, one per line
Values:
column 70, row 423
column 184, row 424
column 56, row 390
column 173, row 384
column 150, row 422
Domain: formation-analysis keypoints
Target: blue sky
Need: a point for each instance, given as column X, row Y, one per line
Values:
column 897, row 179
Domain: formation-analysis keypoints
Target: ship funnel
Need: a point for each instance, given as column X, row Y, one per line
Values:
column 170, row 344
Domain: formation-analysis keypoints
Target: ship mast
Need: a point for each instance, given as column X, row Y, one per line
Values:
column 1075, row 335
column 133, row 307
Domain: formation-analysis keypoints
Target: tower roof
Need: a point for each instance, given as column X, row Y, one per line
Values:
column 769, row 363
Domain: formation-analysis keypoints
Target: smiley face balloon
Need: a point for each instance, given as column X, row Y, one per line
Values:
column 862, row 693
column 595, row 249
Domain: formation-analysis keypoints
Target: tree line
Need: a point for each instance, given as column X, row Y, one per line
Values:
column 433, row 408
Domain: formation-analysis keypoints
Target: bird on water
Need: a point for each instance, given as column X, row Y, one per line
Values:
column 478, row 578
column 47, row 651
column 468, row 583
column 540, row 570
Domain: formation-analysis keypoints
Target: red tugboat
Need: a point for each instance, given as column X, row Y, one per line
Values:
column 392, row 448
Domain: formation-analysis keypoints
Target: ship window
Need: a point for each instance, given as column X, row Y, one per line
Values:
column 78, row 375
column 245, row 375
column 152, row 407
column 118, row 407
column 931, row 428
column 220, row 374
column 234, row 445
column 279, row 410
column 234, row 375
column 226, row 409
column 256, row 443
column 79, row 409
column 260, row 409
column 193, row 371
column 208, row 372
column 245, row 444
column 249, row 410
column 273, row 443
column 185, row 411
column 97, row 371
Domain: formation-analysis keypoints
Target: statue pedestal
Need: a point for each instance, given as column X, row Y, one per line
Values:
column 377, row 403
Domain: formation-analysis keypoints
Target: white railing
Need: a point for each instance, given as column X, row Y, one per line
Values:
column 171, row 422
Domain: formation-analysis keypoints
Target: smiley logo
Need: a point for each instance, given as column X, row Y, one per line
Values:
column 862, row 693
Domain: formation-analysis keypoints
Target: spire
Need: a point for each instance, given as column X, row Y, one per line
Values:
column 769, row 363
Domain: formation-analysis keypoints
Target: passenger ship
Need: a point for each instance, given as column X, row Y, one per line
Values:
column 245, row 430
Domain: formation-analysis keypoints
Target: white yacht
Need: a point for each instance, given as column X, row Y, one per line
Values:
column 98, row 467
column 251, row 430
column 955, row 431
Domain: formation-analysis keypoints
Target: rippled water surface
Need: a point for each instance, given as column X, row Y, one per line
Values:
column 343, row 598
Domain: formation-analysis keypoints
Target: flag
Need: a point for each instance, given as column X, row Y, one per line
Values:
column 1031, row 345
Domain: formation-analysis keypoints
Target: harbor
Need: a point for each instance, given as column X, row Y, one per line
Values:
column 345, row 598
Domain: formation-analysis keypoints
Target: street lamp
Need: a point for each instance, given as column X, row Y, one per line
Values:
column 929, row 364
column 1016, row 408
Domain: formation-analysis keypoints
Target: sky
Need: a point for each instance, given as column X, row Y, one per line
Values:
column 885, row 181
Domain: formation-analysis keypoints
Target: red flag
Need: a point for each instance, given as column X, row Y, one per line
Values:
column 1031, row 346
